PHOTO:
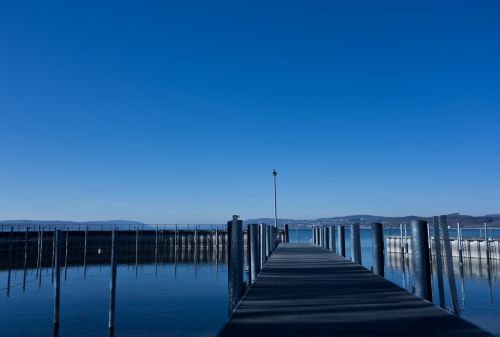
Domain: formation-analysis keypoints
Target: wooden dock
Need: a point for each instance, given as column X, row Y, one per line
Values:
column 305, row 290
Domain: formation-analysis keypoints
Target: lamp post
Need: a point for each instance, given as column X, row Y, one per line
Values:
column 275, row 209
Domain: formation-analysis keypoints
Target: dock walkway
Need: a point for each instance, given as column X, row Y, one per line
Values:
column 305, row 290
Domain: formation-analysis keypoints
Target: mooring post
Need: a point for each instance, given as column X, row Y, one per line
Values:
column 57, row 276
column 112, row 283
column 341, row 240
column 487, row 244
column 262, row 244
column 327, row 237
column 26, row 237
column 332, row 244
column 85, row 252
column 11, row 257
column 287, row 237
column 269, row 240
column 41, row 257
column 402, row 245
column 421, row 263
column 439, row 261
column 253, row 233
column 235, row 268
column 378, row 248
column 443, row 224
column 459, row 242
column 355, row 243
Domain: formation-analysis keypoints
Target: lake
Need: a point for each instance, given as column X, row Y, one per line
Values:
column 174, row 292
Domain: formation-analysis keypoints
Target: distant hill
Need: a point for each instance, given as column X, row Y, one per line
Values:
column 71, row 223
column 464, row 220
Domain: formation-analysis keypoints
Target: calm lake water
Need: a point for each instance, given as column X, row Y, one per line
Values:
column 183, row 294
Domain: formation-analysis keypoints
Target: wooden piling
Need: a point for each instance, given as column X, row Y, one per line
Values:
column 11, row 256
column 253, row 234
column 235, row 266
column 439, row 261
column 57, row 276
column 378, row 249
column 85, row 252
column 262, row 244
column 341, row 230
column 332, row 243
column 443, row 224
column 26, row 236
column 112, row 282
column 355, row 243
column 420, row 258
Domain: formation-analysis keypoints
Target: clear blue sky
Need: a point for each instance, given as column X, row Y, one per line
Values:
column 177, row 111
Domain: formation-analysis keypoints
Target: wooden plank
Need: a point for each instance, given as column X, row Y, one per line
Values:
column 306, row 290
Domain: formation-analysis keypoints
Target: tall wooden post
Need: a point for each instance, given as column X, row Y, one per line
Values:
column 235, row 267
column 112, row 283
column 355, row 243
column 420, row 258
column 378, row 249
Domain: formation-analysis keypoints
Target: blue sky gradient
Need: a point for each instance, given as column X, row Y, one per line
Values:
column 177, row 112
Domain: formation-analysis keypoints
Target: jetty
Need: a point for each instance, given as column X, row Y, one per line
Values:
column 306, row 290
column 309, row 290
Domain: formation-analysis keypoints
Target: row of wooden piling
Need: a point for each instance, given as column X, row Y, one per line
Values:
column 420, row 257
column 262, row 239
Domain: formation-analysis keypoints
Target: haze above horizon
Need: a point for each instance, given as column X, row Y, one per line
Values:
column 178, row 112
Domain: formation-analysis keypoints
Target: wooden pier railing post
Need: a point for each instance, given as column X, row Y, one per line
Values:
column 420, row 258
column 443, row 224
column 254, row 251
column 262, row 244
column 327, row 238
column 332, row 244
column 341, row 240
column 355, row 243
column 235, row 267
column 112, row 282
column 438, row 261
column 378, row 249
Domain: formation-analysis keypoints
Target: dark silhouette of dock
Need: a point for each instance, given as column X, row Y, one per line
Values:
column 305, row 290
